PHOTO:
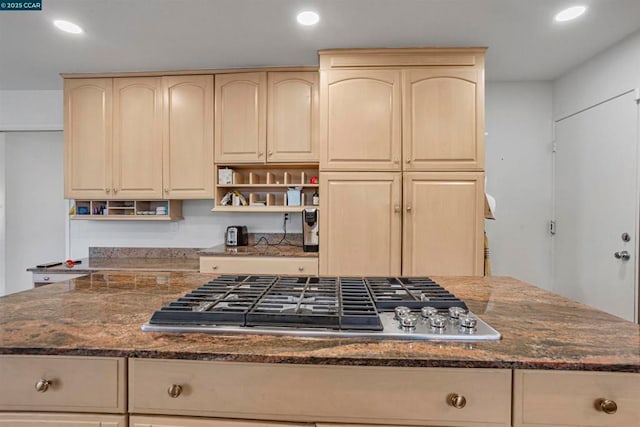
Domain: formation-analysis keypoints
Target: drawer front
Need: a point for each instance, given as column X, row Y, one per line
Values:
column 75, row 384
column 307, row 266
column 55, row 277
column 571, row 399
column 22, row 419
column 417, row 396
column 140, row 421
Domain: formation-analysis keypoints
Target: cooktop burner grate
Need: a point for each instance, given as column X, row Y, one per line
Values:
column 303, row 302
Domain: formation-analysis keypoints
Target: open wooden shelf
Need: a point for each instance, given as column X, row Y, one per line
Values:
column 265, row 188
column 127, row 210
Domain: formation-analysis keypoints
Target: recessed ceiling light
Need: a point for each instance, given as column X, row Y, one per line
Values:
column 67, row 26
column 570, row 13
column 308, row 18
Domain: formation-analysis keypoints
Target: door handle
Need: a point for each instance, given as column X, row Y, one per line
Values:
column 623, row 255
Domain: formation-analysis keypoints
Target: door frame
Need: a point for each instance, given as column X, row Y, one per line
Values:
column 636, row 261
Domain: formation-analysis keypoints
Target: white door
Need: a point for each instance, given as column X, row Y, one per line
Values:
column 596, row 202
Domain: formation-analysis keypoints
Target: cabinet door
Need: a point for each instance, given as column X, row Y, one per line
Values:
column 241, row 117
column 87, row 138
column 443, row 119
column 27, row 419
column 360, row 120
column 443, row 223
column 360, row 225
column 155, row 421
column 188, row 137
column 137, row 137
column 292, row 117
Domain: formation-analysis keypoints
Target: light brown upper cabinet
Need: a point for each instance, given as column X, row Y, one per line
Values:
column 113, row 138
column 188, row 137
column 87, row 138
column 360, row 223
column 360, row 120
column 443, row 223
column 241, row 117
column 137, row 138
column 292, row 117
column 443, row 119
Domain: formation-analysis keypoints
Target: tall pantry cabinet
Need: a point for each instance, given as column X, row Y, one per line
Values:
column 406, row 125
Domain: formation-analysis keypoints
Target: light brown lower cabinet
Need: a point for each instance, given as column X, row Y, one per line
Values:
column 303, row 266
column 33, row 419
column 575, row 399
column 303, row 393
column 156, row 421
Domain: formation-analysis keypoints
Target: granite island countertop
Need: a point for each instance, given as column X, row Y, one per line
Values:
column 258, row 250
column 101, row 314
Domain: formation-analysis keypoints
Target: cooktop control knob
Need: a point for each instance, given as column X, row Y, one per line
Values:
column 428, row 311
column 402, row 311
column 468, row 321
column 437, row 321
column 409, row 321
column 455, row 312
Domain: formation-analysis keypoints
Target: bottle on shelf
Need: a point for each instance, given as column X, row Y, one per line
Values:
column 315, row 198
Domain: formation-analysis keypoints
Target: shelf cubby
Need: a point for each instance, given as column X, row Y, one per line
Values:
column 145, row 210
column 264, row 187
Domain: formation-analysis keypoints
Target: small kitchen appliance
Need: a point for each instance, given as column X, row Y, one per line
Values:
column 310, row 238
column 341, row 307
column 237, row 235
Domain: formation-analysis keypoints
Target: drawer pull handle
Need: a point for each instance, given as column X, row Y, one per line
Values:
column 215, row 267
column 174, row 390
column 607, row 406
column 301, row 268
column 456, row 400
column 46, row 278
column 42, row 385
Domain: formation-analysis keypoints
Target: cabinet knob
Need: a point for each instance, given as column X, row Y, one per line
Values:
column 260, row 154
column 407, row 161
column 396, row 208
column 46, row 278
column 409, row 208
column 166, row 190
column 115, row 191
column 456, row 400
column 607, row 406
column 174, row 390
column 42, row 385
column 215, row 267
column 301, row 268
column 270, row 153
column 396, row 161
column 107, row 190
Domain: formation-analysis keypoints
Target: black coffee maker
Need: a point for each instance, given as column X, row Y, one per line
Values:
column 310, row 237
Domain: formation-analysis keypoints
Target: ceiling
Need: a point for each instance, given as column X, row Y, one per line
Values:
column 135, row 35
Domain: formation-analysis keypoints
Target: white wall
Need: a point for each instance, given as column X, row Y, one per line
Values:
column 22, row 110
column 518, row 168
column 608, row 74
column 2, row 214
column 200, row 228
column 35, row 207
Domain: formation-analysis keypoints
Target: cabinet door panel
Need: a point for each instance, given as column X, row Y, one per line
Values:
column 360, row 225
column 241, row 116
column 360, row 120
column 443, row 223
column 87, row 138
column 292, row 117
column 443, row 119
column 33, row 419
column 137, row 138
column 188, row 137
column 155, row 421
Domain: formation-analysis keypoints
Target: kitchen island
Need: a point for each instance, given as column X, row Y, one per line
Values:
column 99, row 316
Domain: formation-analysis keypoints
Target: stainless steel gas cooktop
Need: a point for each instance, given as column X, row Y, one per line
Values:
column 369, row 307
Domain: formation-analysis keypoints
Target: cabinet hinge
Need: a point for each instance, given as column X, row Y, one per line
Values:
column 554, row 146
column 636, row 94
column 552, row 227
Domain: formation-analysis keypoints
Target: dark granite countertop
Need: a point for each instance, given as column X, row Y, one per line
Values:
column 258, row 250
column 101, row 314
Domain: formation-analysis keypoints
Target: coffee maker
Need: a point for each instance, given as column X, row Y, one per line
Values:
column 310, row 236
